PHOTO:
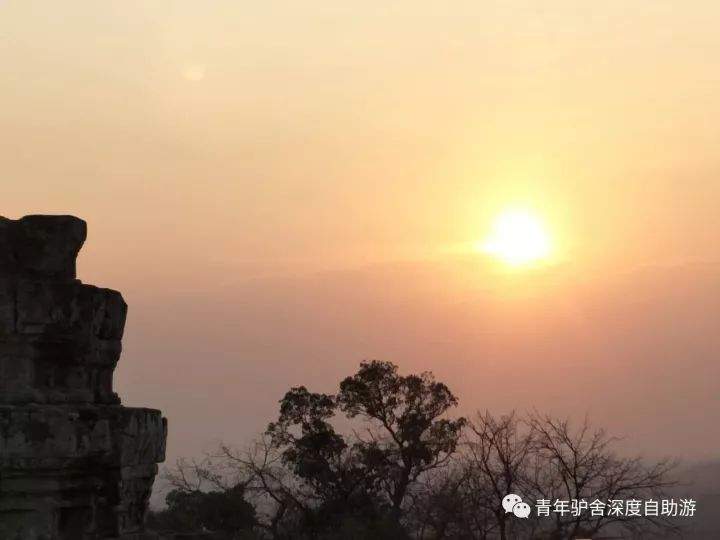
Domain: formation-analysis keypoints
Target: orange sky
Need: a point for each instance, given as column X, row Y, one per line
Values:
column 283, row 189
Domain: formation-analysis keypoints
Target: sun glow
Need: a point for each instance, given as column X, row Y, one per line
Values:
column 517, row 238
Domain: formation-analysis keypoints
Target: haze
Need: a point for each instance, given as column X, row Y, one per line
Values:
column 281, row 190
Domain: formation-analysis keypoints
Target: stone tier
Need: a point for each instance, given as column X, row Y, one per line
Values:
column 73, row 472
column 59, row 341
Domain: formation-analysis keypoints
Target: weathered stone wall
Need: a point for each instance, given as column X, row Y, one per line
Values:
column 74, row 463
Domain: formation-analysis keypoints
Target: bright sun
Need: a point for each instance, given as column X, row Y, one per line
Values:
column 518, row 238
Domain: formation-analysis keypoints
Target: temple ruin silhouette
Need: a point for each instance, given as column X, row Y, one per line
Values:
column 75, row 464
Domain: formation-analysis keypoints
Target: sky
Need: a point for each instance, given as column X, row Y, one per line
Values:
column 283, row 189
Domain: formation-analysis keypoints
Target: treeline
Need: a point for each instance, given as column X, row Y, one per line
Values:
column 401, row 468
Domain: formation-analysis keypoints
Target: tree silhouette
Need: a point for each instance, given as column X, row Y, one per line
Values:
column 401, row 469
column 413, row 438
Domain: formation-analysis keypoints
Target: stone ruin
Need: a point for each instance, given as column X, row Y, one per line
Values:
column 74, row 463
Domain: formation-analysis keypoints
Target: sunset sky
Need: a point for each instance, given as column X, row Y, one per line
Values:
column 283, row 189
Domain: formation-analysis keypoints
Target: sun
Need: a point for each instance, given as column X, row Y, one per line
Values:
column 518, row 238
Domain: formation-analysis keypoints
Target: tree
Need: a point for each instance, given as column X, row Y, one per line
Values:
column 318, row 481
column 413, row 437
column 444, row 506
column 192, row 507
column 282, row 502
column 495, row 457
column 400, row 469
column 542, row 458
column 340, row 488
column 580, row 463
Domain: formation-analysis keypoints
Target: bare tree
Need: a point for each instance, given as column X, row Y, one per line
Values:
column 444, row 505
column 542, row 458
column 495, row 453
column 580, row 463
column 203, row 498
column 280, row 499
column 189, row 475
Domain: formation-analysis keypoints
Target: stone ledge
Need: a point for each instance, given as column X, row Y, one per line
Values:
column 67, row 308
column 46, row 370
column 45, row 436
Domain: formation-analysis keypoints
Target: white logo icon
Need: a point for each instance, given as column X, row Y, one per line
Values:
column 509, row 501
column 513, row 503
column 521, row 510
